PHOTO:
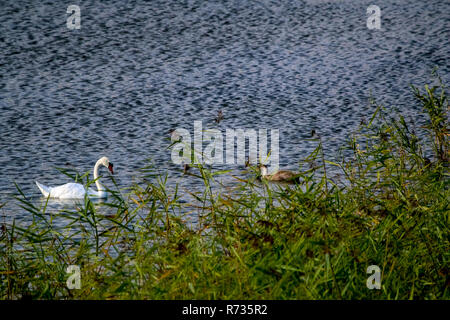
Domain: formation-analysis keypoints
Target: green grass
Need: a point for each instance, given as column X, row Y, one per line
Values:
column 259, row 241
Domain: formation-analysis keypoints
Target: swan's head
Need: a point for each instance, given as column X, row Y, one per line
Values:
column 105, row 161
column 263, row 170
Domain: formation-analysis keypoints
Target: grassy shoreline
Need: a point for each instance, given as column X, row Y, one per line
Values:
column 309, row 241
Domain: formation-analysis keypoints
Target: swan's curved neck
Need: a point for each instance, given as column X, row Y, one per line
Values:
column 263, row 171
column 97, row 182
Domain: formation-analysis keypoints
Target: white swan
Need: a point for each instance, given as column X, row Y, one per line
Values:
column 76, row 190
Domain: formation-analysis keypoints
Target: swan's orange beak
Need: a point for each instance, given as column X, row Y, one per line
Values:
column 110, row 167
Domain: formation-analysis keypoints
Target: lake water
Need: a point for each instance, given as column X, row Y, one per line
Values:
column 137, row 69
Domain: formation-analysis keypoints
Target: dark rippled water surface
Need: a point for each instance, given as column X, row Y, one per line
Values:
column 137, row 69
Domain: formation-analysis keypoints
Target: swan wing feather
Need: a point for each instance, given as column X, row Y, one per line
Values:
column 286, row 176
column 68, row 191
column 44, row 189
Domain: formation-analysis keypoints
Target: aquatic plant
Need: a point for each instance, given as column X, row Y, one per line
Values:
column 313, row 240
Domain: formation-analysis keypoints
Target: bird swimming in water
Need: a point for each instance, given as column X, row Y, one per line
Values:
column 174, row 135
column 314, row 134
column 279, row 176
column 219, row 116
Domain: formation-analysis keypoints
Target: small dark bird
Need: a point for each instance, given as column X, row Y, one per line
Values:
column 174, row 136
column 279, row 176
column 186, row 168
column 219, row 116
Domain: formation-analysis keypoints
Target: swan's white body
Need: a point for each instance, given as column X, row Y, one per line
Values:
column 76, row 190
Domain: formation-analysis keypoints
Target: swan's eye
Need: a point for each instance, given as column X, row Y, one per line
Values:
column 110, row 167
